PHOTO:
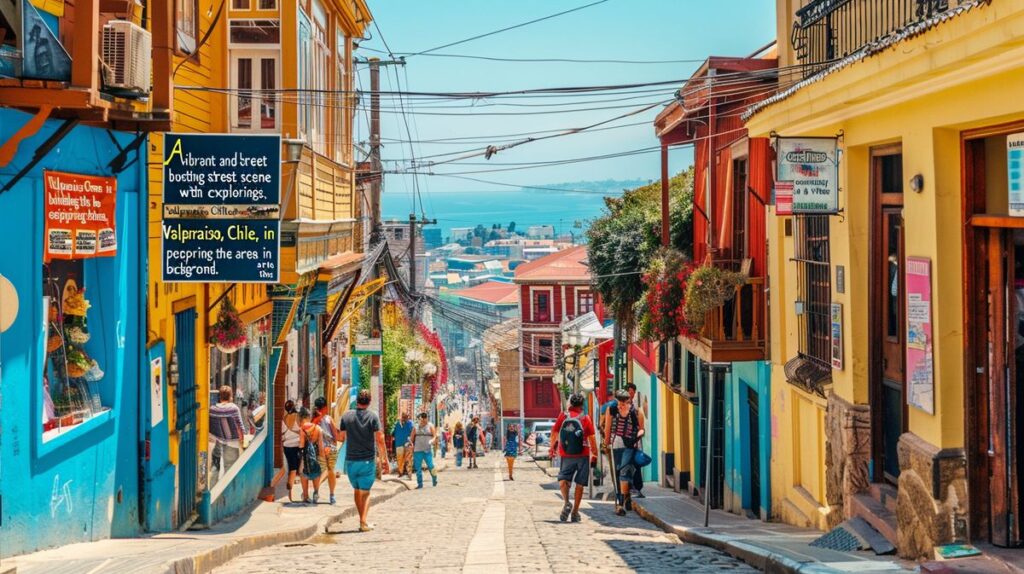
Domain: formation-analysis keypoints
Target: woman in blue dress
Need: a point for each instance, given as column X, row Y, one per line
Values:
column 511, row 447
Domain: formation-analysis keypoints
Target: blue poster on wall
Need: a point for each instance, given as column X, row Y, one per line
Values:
column 221, row 216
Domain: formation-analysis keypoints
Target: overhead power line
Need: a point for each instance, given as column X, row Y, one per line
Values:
column 507, row 28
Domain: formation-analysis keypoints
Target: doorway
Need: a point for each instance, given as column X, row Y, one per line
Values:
column 993, row 314
column 888, row 312
column 754, row 435
column 186, row 407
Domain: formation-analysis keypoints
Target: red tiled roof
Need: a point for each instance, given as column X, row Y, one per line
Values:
column 565, row 265
column 493, row 292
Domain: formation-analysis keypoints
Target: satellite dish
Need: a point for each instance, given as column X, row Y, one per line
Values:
column 8, row 303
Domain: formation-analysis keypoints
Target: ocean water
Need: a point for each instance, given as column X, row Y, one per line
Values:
column 567, row 211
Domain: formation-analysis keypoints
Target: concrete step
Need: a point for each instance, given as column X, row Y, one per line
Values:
column 886, row 494
column 876, row 514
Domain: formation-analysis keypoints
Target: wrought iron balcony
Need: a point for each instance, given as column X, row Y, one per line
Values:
column 827, row 30
column 736, row 330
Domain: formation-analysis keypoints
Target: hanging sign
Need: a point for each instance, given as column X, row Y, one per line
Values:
column 920, row 361
column 80, row 216
column 1015, row 173
column 812, row 166
column 368, row 346
column 221, row 218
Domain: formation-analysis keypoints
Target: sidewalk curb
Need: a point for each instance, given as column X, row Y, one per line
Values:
column 763, row 560
column 207, row 561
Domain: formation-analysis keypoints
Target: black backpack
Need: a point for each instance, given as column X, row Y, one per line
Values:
column 471, row 433
column 310, row 457
column 571, row 435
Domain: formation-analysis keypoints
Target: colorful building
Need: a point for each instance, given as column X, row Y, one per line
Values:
column 894, row 323
column 723, row 365
column 260, row 67
column 73, row 276
column 552, row 289
column 493, row 298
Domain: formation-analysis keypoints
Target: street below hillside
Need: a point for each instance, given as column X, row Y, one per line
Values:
column 478, row 521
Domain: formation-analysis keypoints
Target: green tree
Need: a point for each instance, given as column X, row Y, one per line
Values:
column 622, row 242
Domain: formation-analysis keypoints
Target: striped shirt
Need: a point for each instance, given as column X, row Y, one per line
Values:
column 226, row 423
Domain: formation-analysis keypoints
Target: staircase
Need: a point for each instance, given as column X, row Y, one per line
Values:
column 877, row 507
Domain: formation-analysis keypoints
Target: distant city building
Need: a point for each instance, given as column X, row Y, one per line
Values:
column 460, row 234
column 541, row 232
column 533, row 253
column 491, row 298
column 432, row 237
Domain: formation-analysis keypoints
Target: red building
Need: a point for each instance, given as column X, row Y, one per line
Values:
column 552, row 289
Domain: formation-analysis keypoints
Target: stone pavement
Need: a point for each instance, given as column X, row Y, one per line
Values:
column 194, row 551
column 476, row 521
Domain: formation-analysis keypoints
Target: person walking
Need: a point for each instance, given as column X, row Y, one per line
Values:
column 574, row 437
column 424, row 437
column 290, row 442
column 361, row 429
column 459, row 443
column 476, row 437
column 637, row 488
column 312, row 445
column 329, row 454
column 623, row 427
column 446, row 437
column 402, row 434
column 226, row 434
column 511, row 447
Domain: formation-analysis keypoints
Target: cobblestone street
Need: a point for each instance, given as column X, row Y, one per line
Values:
column 478, row 521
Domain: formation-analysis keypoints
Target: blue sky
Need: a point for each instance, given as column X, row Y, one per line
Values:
column 617, row 29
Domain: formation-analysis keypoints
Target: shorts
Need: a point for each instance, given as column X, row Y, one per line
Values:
column 624, row 463
column 361, row 473
column 575, row 468
column 472, row 447
column 328, row 459
column 291, row 458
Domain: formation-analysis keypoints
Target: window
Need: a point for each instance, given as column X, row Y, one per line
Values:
column 266, row 5
column 255, row 32
column 544, row 352
column 254, row 77
column 585, row 302
column 240, row 5
column 245, row 370
column 339, row 106
column 815, row 288
column 541, row 306
column 542, row 394
column 186, row 27
column 321, row 69
column 73, row 371
column 305, row 73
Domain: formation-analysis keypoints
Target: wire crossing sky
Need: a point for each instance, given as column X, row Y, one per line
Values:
column 465, row 46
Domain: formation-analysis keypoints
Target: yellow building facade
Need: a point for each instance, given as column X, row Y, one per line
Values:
column 259, row 67
column 924, row 107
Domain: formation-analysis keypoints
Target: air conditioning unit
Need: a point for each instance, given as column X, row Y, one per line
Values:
column 127, row 56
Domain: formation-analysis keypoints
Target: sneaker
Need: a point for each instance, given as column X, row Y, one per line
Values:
column 576, row 517
column 640, row 494
column 365, row 527
column 434, row 479
column 419, row 486
column 566, row 510
column 619, row 510
column 316, row 498
column 332, row 499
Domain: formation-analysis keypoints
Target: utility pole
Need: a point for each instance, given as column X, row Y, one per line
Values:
column 376, row 181
column 412, row 247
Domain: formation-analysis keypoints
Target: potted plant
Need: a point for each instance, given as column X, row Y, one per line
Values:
column 661, row 310
column 228, row 333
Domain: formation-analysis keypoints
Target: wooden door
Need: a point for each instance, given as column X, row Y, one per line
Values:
column 888, row 305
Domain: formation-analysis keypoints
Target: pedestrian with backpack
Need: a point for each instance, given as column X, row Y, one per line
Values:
column 310, row 445
column 329, row 455
column 475, row 436
column 575, row 439
column 623, row 427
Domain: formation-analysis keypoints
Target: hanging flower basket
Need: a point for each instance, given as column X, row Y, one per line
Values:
column 228, row 333
column 707, row 288
column 660, row 311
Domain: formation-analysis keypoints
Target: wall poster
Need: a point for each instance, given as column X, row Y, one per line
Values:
column 811, row 164
column 1015, row 173
column 920, row 362
column 80, row 216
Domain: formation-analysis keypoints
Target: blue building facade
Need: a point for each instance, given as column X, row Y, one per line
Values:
column 70, row 445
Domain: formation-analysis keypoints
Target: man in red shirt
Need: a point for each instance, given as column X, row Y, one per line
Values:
column 571, row 434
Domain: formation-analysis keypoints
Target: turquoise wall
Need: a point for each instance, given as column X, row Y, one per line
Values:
column 82, row 485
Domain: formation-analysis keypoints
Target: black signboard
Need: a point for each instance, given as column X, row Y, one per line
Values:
column 221, row 217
